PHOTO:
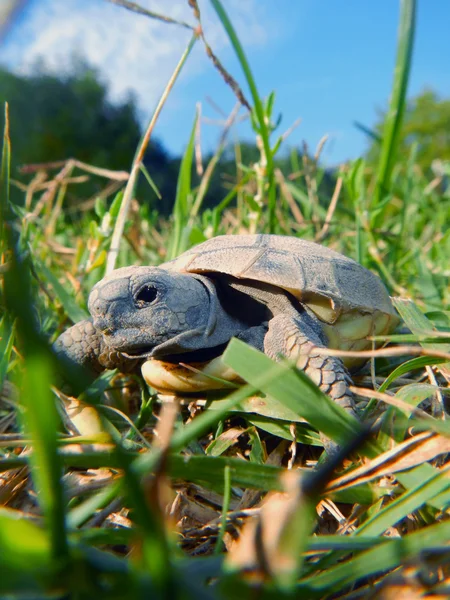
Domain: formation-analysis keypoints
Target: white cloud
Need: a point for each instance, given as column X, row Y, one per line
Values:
column 131, row 52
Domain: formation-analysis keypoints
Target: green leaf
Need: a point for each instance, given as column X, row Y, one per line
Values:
column 397, row 104
column 395, row 420
column 180, row 236
column 257, row 452
column 415, row 477
column 266, row 406
column 100, row 207
column 73, row 310
column 373, row 135
column 418, row 323
column 25, row 553
column 407, row 503
column 115, row 205
column 294, row 389
column 224, row 441
column 415, row 363
column 304, row 434
column 150, row 181
column 383, row 557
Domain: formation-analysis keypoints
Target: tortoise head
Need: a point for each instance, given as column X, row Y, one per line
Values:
column 148, row 311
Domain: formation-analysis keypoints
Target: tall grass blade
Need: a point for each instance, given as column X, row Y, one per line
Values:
column 4, row 178
column 39, row 415
column 397, row 104
column 378, row 560
column 183, row 200
column 138, row 158
column 258, row 107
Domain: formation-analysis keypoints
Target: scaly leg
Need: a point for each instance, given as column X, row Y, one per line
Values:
column 81, row 345
column 296, row 337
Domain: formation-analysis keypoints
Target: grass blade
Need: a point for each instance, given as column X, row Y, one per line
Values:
column 407, row 503
column 73, row 310
column 397, row 104
column 258, row 107
column 293, row 389
column 40, row 418
column 25, row 555
column 225, row 507
column 181, row 207
column 379, row 559
column 138, row 158
column 4, row 178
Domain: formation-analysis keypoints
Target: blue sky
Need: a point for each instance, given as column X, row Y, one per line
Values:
column 330, row 63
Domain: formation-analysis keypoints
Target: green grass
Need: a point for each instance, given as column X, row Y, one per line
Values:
column 151, row 502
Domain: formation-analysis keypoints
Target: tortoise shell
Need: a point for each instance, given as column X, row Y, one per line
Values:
column 350, row 301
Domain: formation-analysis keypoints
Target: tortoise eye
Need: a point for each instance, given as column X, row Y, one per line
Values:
column 146, row 295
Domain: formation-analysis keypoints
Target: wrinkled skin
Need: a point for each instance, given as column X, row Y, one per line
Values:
column 142, row 312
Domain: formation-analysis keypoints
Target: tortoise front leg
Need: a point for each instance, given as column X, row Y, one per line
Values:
column 81, row 346
column 295, row 337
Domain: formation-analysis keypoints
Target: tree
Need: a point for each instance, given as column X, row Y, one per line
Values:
column 426, row 124
column 53, row 118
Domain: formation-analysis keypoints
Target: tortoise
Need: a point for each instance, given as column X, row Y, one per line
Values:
column 283, row 295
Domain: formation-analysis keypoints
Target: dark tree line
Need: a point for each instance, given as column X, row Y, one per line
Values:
column 53, row 118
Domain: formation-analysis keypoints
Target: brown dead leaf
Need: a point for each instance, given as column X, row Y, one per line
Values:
column 166, row 422
column 410, row 453
column 192, row 512
column 225, row 440
column 250, row 497
column 262, row 546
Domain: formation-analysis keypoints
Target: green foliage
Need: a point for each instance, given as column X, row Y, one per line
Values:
column 425, row 129
column 54, row 117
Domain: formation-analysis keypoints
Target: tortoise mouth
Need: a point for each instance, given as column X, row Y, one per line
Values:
column 137, row 353
column 194, row 356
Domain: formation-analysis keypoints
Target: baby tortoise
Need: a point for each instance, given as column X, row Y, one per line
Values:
column 283, row 295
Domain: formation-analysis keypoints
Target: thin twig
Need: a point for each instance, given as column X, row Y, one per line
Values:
column 128, row 194
column 290, row 129
column 396, row 351
column 107, row 173
column 391, row 400
column 32, row 187
column 47, row 197
column 216, row 107
column 212, row 164
column 229, row 80
column 133, row 7
column 311, row 185
column 438, row 404
column 320, row 147
column 295, row 209
column 329, row 216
